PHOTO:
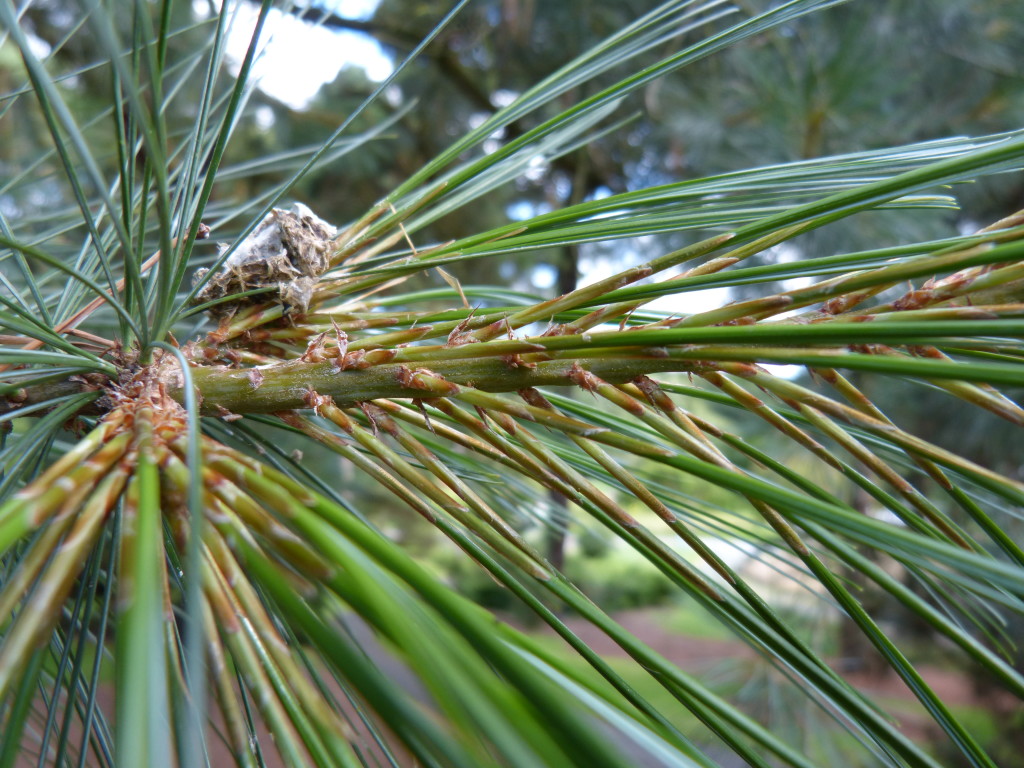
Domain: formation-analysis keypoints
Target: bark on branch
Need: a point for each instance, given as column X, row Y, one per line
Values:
column 287, row 386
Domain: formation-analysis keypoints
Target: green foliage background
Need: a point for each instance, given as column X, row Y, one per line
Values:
column 299, row 520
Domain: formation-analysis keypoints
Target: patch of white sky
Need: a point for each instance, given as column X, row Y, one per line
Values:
column 500, row 98
column 786, row 253
column 297, row 57
column 39, row 47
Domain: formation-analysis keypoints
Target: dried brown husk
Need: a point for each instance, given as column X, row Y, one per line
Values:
column 288, row 251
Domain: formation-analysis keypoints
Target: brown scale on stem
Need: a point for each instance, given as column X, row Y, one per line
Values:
column 341, row 339
column 353, row 359
column 225, row 415
column 425, row 380
column 516, row 361
column 315, row 401
column 255, row 377
column 655, row 394
column 916, row 299
column 458, row 336
column 315, row 350
column 583, row 378
column 371, row 416
column 532, row 397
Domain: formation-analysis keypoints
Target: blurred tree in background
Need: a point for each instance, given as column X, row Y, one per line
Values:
column 554, row 527
column 859, row 77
